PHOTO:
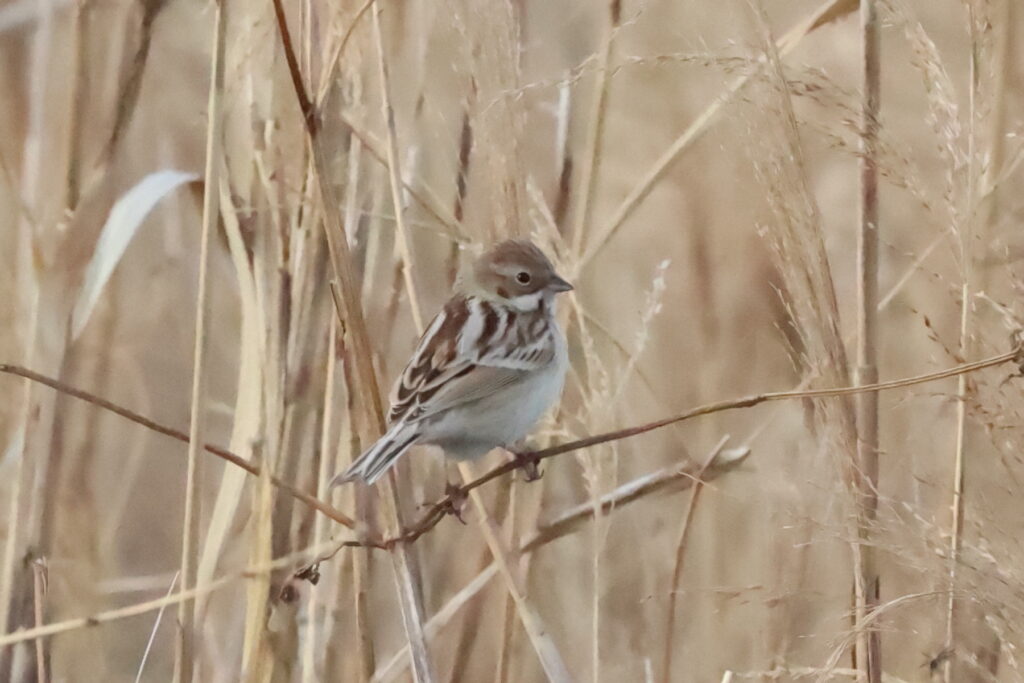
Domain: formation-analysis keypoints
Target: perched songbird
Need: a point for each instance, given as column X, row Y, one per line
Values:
column 489, row 365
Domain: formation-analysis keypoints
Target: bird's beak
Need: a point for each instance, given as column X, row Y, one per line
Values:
column 557, row 284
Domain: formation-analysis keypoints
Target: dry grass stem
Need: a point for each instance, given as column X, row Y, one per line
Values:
column 184, row 657
column 589, row 170
column 677, row 567
column 868, row 581
column 551, row 659
column 237, row 217
column 828, row 12
column 438, row 510
column 409, row 594
column 39, row 576
column 395, row 173
column 156, row 628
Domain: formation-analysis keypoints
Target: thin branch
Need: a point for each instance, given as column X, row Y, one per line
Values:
column 660, row 480
column 551, row 531
column 222, row 453
column 156, row 627
column 182, row 596
column 677, row 570
column 568, row 522
column 447, row 504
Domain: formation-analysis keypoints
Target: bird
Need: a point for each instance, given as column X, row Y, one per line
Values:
column 488, row 366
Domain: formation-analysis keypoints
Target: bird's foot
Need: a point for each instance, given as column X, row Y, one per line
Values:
column 456, row 500
column 524, row 460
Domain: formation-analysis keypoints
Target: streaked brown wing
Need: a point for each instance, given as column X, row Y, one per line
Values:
column 475, row 382
column 433, row 362
column 440, row 377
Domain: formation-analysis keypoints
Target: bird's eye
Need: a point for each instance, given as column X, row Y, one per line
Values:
column 522, row 277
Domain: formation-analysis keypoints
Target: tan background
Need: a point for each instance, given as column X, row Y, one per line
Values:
column 766, row 583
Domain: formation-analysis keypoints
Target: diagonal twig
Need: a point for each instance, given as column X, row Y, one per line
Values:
column 561, row 526
column 443, row 506
column 178, row 435
column 436, row 512
column 566, row 523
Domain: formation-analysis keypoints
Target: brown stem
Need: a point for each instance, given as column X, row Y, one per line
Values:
column 403, row 561
column 305, row 104
column 445, row 505
column 677, row 571
column 222, row 453
column 442, row 507
column 865, row 469
column 39, row 574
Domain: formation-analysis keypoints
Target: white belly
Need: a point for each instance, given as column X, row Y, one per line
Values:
column 502, row 418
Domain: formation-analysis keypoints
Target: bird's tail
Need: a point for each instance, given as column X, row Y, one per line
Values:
column 379, row 457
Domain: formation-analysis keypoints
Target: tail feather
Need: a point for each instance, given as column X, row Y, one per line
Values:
column 379, row 457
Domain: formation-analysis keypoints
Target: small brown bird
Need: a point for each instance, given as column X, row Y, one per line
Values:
column 489, row 365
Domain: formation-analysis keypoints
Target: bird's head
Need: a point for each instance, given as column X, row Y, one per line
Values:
column 516, row 273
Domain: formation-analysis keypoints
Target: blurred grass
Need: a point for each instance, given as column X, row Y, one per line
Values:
column 484, row 90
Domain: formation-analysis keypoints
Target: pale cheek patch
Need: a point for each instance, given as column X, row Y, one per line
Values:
column 528, row 302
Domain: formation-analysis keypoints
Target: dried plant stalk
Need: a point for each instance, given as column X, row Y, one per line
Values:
column 551, row 659
column 868, row 583
column 829, row 12
column 975, row 216
column 40, row 578
column 395, row 174
column 184, row 655
column 797, row 238
column 409, row 593
column 513, row 117
column 591, row 157
column 677, row 568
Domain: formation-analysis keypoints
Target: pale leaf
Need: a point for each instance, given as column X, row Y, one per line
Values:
column 124, row 220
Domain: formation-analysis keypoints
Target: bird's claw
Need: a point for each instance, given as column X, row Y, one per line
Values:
column 531, row 470
column 456, row 500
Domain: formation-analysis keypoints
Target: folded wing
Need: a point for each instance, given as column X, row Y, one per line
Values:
column 468, row 352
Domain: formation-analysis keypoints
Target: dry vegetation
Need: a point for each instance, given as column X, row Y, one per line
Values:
column 702, row 171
